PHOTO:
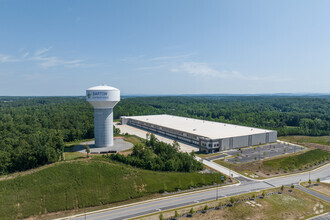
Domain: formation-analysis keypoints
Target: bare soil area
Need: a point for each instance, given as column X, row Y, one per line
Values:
column 323, row 188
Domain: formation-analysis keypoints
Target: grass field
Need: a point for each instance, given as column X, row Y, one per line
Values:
column 322, row 142
column 280, row 165
column 202, row 155
column 83, row 183
column 289, row 205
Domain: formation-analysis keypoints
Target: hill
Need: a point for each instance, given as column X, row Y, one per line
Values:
column 85, row 183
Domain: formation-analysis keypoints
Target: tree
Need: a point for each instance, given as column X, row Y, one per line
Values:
column 292, row 186
column 88, row 150
column 232, row 200
column 206, row 207
column 161, row 217
column 192, row 211
column 282, row 187
column 116, row 131
column 310, row 181
column 318, row 180
column 176, row 214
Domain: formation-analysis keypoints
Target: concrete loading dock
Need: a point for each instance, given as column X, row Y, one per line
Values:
column 207, row 135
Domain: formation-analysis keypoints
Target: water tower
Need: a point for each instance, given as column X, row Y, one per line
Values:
column 103, row 99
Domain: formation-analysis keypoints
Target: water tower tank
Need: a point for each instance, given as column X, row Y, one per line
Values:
column 103, row 99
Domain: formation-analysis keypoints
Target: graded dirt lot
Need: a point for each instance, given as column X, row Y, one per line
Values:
column 323, row 188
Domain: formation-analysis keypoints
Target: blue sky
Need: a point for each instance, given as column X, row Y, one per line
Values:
column 164, row 47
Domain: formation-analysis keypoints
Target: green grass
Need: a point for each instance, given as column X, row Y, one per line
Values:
column 79, row 184
column 308, row 158
column 203, row 155
column 323, row 140
column 132, row 138
column 74, row 155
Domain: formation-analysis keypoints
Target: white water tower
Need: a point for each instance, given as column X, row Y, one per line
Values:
column 103, row 99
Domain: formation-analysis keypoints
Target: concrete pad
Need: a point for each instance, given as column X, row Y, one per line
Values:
column 142, row 133
column 326, row 181
column 118, row 145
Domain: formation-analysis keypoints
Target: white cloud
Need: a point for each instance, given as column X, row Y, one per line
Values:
column 42, row 51
column 52, row 61
column 41, row 59
column 175, row 58
column 45, row 61
column 26, row 54
column 205, row 70
column 7, row 59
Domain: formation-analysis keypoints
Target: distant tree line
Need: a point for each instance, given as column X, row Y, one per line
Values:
column 287, row 115
column 33, row 129
column 159, row 156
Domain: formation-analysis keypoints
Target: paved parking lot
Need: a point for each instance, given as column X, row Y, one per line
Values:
column 270, row 150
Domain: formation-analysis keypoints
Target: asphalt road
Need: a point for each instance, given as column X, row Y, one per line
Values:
column 312, row 192
column 180, row 200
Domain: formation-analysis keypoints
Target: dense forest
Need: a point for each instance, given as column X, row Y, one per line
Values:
column 159, row 156
column 33, row 129
column 287, row 115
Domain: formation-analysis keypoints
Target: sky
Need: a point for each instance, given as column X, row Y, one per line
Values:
column 63, row 47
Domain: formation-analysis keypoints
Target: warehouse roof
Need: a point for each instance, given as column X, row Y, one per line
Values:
column 209, row 129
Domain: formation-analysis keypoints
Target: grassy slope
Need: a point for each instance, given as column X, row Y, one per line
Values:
column 86, row 183
column 298, row 161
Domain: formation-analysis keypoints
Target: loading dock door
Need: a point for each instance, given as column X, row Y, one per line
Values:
column 250, row 140
column 230, row 143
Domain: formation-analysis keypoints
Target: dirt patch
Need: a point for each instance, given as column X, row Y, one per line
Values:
column 141, row 188
column 125, row 153
column 323, row 188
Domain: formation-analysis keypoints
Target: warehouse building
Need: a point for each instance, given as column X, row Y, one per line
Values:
column 209, row 136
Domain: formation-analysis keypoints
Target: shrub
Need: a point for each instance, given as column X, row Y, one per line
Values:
column 192, row 211
column 161, row 217
column 232, row 200
column 206, row 207
column 176, row 214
